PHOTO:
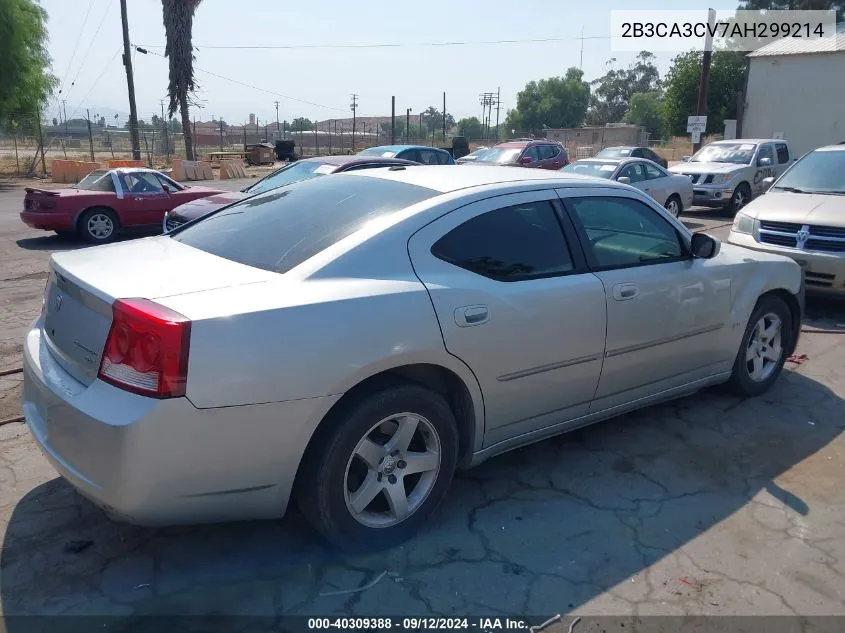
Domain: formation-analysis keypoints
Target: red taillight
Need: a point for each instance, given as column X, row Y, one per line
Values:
column 146, row 351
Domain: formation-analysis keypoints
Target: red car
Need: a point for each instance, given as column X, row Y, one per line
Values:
column 106, row 202
column 541, row 154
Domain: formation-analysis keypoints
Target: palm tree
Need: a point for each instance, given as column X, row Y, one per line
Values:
column 178, row 24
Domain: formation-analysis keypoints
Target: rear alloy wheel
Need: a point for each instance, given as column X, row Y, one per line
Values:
column 673, row 205
column 740, row 197
column 763, row 350
column 382, row 468
column 98, row 226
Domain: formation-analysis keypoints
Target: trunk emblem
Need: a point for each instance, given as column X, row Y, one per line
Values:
column 58, row 302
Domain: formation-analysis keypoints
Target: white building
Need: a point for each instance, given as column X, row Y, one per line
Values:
column 797, row 92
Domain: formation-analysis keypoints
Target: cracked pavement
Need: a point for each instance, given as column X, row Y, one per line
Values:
column 710, row 505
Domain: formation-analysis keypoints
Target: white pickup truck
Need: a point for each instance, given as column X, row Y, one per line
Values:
column 730, row 173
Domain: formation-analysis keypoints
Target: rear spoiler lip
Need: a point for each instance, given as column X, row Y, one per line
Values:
column 44, row 191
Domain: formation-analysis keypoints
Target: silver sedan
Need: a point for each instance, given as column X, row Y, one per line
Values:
column 673, row 191
column 348, row 342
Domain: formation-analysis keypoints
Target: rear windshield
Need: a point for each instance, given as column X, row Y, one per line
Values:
column 303, row 170
column 280, row 229
column 98, row 180
column 595, row 168
column 614, row 152
column 384, row 152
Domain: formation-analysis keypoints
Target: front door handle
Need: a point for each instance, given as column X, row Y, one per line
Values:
column 467, row 316
column 623, row 292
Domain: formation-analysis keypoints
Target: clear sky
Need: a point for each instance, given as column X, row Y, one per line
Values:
column 88, row 51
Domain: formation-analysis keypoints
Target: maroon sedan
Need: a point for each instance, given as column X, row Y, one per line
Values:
column 540, row 153
column 300, row 170
column 106, row 202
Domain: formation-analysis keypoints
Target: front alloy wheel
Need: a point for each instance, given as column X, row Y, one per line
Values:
column 768, row 339
column 764, row 348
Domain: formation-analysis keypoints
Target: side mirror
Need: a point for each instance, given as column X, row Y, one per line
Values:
column 767, row 183
column 704, row 246
column 527, row 160
column 166, row 188
column 624, row 180
column 686, row 158
column 764, row 162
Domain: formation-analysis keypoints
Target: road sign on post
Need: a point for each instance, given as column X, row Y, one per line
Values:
column 696, row 124
column 696, row 136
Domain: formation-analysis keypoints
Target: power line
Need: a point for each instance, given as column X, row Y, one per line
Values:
column 96, row 81
column 76, row 46
column 540, row 40
column 91, row 42
column 143, row 50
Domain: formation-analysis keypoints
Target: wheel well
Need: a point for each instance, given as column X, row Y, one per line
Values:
column 434, row 377
column 794, row 311
column 96, row 206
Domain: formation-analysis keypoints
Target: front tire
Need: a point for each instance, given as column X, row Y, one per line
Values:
column 99, row 225
column 379, row 468
column 741, row 196
column 674, row 205
column 763, row 350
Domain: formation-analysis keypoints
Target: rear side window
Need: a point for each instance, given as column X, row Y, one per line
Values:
column 783, row 153
column 444, row 158
column 509, row 244
column 429, row 157
column 279, row 229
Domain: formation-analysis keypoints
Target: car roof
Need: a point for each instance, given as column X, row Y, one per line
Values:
column 831, row 148
column 536, row 141
column 448, row 178
column 623, row 147
column 400, row 148
column 353, row 159
column 609, row 159
column 734, row 141
column 128, row 170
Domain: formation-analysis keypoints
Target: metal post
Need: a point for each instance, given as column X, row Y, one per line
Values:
column 244, row 137
column 444, row 116
column 330, row 136
column 316, row 143
column 407, row 123
column 17, row 161
column 147, row 145
column 166, row 136
column 111, row 146
column 277, row 119
column 341, row 138
column 498, row 95
column 422, row 136
column 90, row 136
column 221, row 134
column 393, row 120
column 704, row 82
column 130, row 83
column 195, row 137
column 40, row 144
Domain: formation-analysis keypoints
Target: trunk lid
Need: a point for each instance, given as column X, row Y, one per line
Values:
column 84, row 284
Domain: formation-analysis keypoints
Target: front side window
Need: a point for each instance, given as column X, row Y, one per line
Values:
column 532, row 152
column 634, row 171
column 515, row 243
column 279, row 229
column 765, row 152
column 624, row 232
column 142, row 182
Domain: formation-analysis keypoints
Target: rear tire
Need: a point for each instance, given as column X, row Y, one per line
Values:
column 763, row 349
column 379, row 468
column 99, row 225
column 674, row 205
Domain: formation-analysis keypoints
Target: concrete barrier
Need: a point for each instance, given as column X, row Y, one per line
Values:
column 125, row 163
column 190, row 170
column 231, row 169
column 71, row 171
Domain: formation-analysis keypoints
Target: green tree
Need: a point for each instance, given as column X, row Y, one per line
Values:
column 552, row 102
column 433, row 119
column 25, row 79
column 301, row 123
column 680, row 98
column 178, row 18
column 470, row 128
column 644, row 109
column 612, row 91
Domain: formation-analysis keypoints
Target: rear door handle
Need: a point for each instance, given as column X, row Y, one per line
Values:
column 623, row 292
column 467, row 316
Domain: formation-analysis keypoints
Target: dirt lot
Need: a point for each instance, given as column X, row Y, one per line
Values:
column 707, row 506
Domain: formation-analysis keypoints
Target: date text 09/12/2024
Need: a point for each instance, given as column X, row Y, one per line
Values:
column 418, row 624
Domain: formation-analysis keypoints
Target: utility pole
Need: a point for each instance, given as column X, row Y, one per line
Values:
column 90, row 136
column 277, row 119
column 221, row 134
column 354, row 107
column 498, row 94
column 486, row 100
column 130, row 83
column 444, row 117
column 704, row 82
column 166, row 137
column 581, row 63
column 422, row 136
column 407, row 123
column 393, row 120
column 64, row 107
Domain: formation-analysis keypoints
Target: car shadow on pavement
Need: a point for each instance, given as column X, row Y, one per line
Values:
column 51, row 242
column 536, row 531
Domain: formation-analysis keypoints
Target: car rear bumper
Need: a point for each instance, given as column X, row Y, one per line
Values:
column 47, row 220
column 824, row 273
column 164, row 462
